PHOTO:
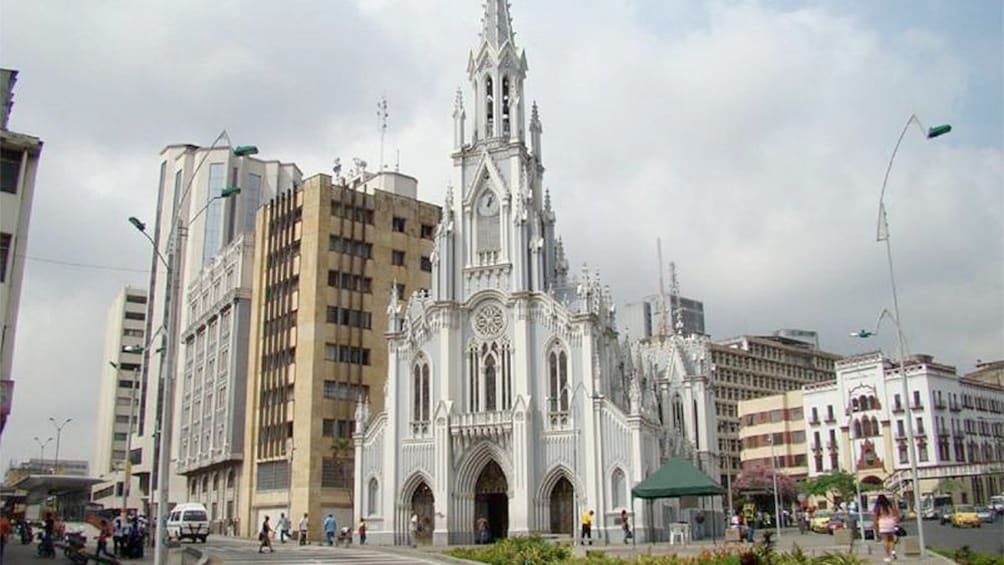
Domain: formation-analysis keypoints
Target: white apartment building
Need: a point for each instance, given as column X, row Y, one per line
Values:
column 859, row 422
column 120, row 396
column 19, row 155
column 212, row 409
column 191, row 216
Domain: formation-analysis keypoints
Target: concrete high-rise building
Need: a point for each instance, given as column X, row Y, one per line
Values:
column 643, row 319
column 326, row 259
column 19, row 155
column 749, row 367
column 120, row 396
column 192, row 216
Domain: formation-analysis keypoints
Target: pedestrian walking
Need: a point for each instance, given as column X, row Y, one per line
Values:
column 265, row 537
column 482, row 530
column 329, row 528
column 413, row 530
column 283, row 527
column 104, row 533
column 887, row 521
column 362, row 531
column 587, row 527
column 626, row 526
column 303, row 529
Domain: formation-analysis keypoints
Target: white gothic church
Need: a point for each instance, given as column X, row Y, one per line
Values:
column 509, row 394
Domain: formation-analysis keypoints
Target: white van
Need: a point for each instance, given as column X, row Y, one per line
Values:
column 188, row 520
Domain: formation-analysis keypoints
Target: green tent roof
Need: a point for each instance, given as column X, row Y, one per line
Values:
column 678, row 477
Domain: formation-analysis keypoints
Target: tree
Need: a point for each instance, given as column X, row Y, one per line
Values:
column 343, row 451
column 835, row 484
column 760, row 480
column 948, row 486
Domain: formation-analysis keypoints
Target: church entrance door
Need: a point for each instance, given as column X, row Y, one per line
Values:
column 562, row 507
column 491, row 500
column 423, row 503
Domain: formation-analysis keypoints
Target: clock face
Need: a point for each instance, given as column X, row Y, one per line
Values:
column 488, row 204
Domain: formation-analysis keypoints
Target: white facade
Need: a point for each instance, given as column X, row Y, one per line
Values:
column 120, row 396
column 958, row 425
column 19, row 155
column 190, row 177
column 211, row 412
column 508, row 394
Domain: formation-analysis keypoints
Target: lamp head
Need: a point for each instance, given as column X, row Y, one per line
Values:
column 132, row 349
column 230, row 191
column 863, row 334
column 137, row 223
column 245, row 150
column 938, row 130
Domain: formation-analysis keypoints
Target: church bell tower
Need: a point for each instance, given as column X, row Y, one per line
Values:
column 498, row 227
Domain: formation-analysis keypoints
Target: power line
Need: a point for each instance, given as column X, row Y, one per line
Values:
column 83, row 265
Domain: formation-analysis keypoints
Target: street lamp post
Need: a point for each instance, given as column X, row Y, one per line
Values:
column 882, row 234
column 41, row 448
column 175, row 239
column 777, row 497
column 59, row 433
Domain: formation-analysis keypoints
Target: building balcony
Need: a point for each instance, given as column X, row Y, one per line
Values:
column 940, row 405
column 420, row 429
column 830, row 419
column 917, row 406
column 897, row 409
column 954, row 407
column 814, row 421
column 482, row 423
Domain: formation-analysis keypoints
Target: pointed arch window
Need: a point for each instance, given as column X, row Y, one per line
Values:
column 490, row 376
column 875, row 426
column 857, row 429
column 373, row 496
column 505, row 106
column 559, row 395
column 618, row 489
column 421, row 397
column 866, row 428
column 489, row 107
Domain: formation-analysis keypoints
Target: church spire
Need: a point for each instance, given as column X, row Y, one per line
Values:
column 496, row 23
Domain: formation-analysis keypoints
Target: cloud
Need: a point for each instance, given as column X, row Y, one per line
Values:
column 751, row 138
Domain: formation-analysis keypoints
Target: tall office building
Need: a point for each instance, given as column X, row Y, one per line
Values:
column 120, row 396
column 19, row 155
column 749, row 367
column 326, row 259
column 199, row 218
column 644, row 318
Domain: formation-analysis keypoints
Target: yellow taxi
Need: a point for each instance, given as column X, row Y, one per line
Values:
column 965, row 515
column 820, row 519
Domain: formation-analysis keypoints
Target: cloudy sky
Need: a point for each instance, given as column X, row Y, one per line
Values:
column 751, row 137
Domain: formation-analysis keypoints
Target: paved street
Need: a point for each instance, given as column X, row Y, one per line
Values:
column 988, row 539
column 240, row 551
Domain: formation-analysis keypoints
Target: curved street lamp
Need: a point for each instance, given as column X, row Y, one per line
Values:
column 175, row 238
column 882, row 234
column 59, row 433
column 41, row 446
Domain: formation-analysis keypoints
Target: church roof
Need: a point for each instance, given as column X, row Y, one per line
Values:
column 497, row 25
column 678, row 477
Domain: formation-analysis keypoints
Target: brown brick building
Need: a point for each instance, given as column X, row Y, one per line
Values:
column 326, row 258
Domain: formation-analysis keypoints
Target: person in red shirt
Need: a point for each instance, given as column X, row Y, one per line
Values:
column 103, row 535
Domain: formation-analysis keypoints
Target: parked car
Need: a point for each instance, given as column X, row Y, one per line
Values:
column 997, row 503
column 819, row 521
column 188, row 520
column 837, row 521
column 965, row 515
column 987, row 515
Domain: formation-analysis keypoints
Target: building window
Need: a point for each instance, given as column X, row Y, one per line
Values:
column 420, row 392
column 135, row 316
column 10, row 170
column 136, row 299
column 349, row 317
column 916, row 399
column 5, row 247
column 428, row 231
column 397, row 257
column 346, row 354
column 345, row 391
column 214, row 213
column 618, row 489
column 558, row 372
column 373, row 497
column 904, row 456
column 426, row 264
column 399, row 287
column 397, row 224
column 348, row 281
column 350, row 247
column 328, row 427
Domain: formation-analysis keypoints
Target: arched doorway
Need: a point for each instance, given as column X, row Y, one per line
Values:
column 562, row 507
column 491, row 500
column 424, row 505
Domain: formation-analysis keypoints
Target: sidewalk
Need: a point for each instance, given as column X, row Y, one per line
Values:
column 16, row 553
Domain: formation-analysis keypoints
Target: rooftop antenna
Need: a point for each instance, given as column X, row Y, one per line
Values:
column 382, row 118
column 663, row 307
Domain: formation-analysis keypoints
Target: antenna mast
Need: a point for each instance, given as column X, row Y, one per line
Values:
column 382, row 118
column 663, row 307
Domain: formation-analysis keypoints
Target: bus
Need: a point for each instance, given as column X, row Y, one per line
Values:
column 932, row 505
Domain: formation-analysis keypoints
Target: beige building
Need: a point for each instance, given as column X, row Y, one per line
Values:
column 989, row 372
column 19, row 155
column 118, row 404
column 773, row 434
column 750, row 367
column 326, row 259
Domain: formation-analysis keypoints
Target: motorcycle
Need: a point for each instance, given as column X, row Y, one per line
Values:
column 45, row 547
